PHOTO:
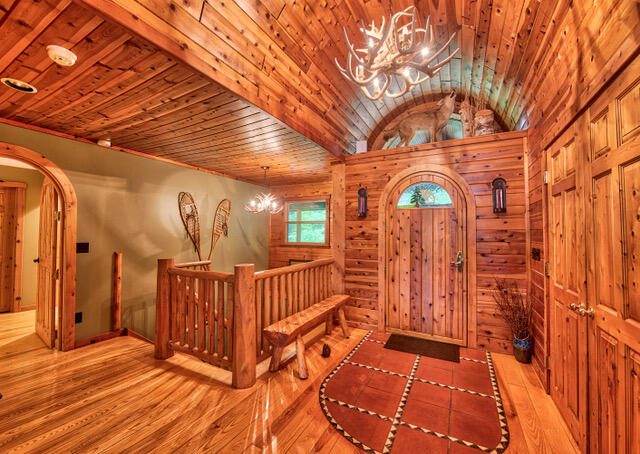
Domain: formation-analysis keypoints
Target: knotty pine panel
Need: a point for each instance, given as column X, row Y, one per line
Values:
column 501, row 238
column 126, row 89
column 279, row 252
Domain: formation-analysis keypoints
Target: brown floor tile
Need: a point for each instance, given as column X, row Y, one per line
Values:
column 383, row 337
column 470, row 367
column 368, row 358
column 457, row 448
column 439, row 363
column 378, row 401
column 410, row 441
column 473, row 382
column 426, row 415
column 399, row 362
column 475, row 430
column 472, row 353
column 387, row 382
column 347, row 383
column 436, row 374
column 370, row 430
column 482, row 407
column 432, row 394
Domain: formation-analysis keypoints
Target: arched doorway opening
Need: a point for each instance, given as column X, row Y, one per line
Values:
column 60, row 197
column 427, row 254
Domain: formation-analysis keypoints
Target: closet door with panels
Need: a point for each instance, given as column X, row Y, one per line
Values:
column 613, row 274
column 567, row 290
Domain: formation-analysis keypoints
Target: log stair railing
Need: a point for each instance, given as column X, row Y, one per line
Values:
column 219, row 317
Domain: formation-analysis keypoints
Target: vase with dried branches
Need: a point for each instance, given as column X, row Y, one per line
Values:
column 515, row 308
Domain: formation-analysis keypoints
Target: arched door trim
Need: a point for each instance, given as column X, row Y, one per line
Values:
column 466, row 190
column 68, row 222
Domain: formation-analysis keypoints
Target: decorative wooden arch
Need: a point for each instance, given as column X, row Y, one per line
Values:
column 68, row 222
column 457, row 179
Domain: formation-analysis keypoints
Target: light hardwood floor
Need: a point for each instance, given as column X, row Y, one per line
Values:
column 115, row 397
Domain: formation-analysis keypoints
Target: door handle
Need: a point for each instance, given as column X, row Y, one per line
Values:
column 459, row 263
column 36, row 260
column 573, row 306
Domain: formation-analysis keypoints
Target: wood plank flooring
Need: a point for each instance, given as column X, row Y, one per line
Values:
column 115, row 397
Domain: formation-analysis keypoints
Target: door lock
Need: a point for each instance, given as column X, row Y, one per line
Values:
column 459, row 263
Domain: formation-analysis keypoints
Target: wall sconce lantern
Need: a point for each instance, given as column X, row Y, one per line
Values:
column 362, row 202
column 499, row 195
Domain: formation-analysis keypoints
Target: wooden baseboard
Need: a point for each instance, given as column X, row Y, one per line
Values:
column 130, row 332
column 98, row 338
column 27, row 308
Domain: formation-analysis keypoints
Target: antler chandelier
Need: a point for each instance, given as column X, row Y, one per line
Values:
column 264, row 202
column 401, row 52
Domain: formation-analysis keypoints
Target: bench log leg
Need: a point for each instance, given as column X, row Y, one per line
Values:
column 329, row 323
column 343, row 322
column 302, row 362
column 276, row 357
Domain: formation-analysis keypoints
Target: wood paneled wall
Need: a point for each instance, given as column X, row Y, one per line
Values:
column 279, row 252
column 501, row 238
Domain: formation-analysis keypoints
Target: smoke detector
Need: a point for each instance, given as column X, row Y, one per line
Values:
column 18, row 85
column 60, row 55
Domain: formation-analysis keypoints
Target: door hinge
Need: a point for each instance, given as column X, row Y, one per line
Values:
column 547, row 362
column 58, row 215
column 545, row 177
column 57, row 274
column 547, row 269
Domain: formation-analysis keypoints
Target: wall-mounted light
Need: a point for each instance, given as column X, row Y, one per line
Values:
column 499, row 190
column 362, row 202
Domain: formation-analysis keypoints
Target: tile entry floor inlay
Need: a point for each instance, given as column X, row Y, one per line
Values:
column 386, row 401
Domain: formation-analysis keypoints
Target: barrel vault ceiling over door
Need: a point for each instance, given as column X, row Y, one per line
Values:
column 529, row 59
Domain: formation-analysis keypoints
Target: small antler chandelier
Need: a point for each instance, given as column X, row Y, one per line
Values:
column 264, row 202
column 399, row 52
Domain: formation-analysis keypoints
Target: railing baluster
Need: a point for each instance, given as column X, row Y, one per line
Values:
column 289, row 294
column 211, row 316
column 275, row 283
column 283, row 297
column 267, row 301
column 202, row 302
column 182, row 311
column 220, row 320
column 229, row 321
column 191, row 313
column 175, row 303
column 258, row 303
column 294, row 292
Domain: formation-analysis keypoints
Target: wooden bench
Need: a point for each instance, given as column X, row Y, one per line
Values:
column 281, row 333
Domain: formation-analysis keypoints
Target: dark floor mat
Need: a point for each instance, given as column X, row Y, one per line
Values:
column 424, row 347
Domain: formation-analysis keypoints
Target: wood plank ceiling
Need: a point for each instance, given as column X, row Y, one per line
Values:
column 525, row 58
column 124, row 89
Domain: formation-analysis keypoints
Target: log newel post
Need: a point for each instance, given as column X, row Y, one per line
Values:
column 116, row 306
column 163, row 310
column 243, row 365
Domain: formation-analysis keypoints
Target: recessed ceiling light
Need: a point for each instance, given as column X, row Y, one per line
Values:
column 60, row 55
column 104, row 142
column 18, row 85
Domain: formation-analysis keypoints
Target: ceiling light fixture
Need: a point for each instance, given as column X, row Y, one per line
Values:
column 401, row 53
column 18, row 85
column 264, row 202
column 60, row 55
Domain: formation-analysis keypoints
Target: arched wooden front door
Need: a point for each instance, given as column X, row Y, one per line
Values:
column 426, row 259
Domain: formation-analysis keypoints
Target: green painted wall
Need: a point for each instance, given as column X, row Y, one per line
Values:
column 129, row 203
column 33, row 180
